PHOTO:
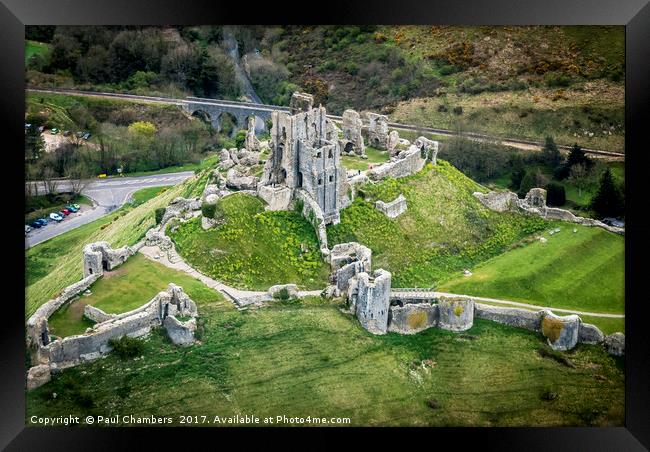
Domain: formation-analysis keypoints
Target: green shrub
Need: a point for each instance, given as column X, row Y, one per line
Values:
column 240, row 138
column 208, row 210
column 127, row 347
column 298, row 206
column 160, row 212
column 554, row 80
column 282, row 294
column 458, row 110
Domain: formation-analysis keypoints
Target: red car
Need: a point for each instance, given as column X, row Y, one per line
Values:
column 65, row 212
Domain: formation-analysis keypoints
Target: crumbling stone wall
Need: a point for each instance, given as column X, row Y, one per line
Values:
column 277, row 198
column 347, row 260
column 412, row 318
column 561, row 332
column 251, row 142
column 535, row 203
column 377, row 130
column 406, row 163
column 428, row 149
column 394, row 208
column 352, row 138
column 99, row 256
column 73, row 350
column 312, row 211
column 455, row 314
column 180, row 208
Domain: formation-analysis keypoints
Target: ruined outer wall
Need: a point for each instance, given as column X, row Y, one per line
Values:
column 311, row 207
column 411, row 163
column 394, row 208
column 412, row 318
column 373, row 300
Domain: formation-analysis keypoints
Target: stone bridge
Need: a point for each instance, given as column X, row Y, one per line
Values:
column 214, row 110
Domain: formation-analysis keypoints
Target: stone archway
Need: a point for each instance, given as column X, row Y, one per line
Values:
column 228, row 123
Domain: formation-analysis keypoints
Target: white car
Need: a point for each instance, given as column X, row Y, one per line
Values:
column 27, row 229
column 56, row 217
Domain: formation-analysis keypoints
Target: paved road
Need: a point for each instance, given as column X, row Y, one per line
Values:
column 423, row 294
column 527, row 145
column 107, row 195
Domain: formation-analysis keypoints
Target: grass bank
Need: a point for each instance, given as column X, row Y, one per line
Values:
column 309, row 359
column 444, row 230
column 56, row 263
column 253, row 248
column 584, row 271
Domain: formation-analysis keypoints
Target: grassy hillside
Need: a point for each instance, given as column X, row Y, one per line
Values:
column 35, row 48
column 309, row 359
column 254, row 248
column 57, row 263
column 584, row 270
column 128, row 287
column 444, row 230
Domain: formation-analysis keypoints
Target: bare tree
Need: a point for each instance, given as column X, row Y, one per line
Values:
column 51, row 184
column 578, row 177
column 78, row 175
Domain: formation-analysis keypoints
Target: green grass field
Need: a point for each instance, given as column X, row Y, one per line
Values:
column 444, row 230
column 254, row 249
column 128, row 287
column 300, row 359
column 34, row 47
column 583, row 271
column 356, row 163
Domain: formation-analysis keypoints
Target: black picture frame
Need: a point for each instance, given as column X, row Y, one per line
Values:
column 634, row 14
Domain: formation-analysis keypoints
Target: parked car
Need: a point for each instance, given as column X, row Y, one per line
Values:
column 56, row 216
column 41, row 129
column 54, row 131
column 65, row 212
column 86, row 136
column 28, row 126
column 76, row 206
column 42, row 221
column 79, row 134
column 66, row 133
column 27, row 229
column 614, row 222
column 35, row 224
column 72, row 208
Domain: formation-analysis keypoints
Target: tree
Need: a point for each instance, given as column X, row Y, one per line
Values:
column 527, row 183
column 51, row 184
column 608, row 201
column 555, row 194
column 577, row 156
column 78, row 175
column 578, row 177
column 550, row 153
column 518, row 170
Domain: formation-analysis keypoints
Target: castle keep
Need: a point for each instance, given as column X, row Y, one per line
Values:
column 305, row 155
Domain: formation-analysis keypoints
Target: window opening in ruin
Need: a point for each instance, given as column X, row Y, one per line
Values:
column 105, row 264
column 90, row 271
column 166, row 311
column 349, row 147
column 331, row 178
column 284, row 133
column 299, row 179
column 329, row 154
column 320, row 181
column 45, row 338
column 318, row 155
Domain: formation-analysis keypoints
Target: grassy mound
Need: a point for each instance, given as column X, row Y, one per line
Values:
column 128, row 287
column 583, row 271
column 254, row 249
column 305, row 359
column 444, row 230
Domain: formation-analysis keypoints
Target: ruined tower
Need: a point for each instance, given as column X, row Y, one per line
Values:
column 302, row 158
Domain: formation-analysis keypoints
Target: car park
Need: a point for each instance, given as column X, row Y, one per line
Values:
column 56, row 216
